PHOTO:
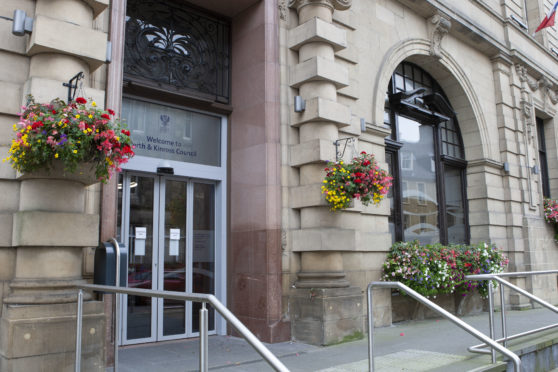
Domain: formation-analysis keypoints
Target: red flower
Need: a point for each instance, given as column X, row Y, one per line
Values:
column 111, row 112
column 126, row 132
column 105, row 116
column 81, row 100
column 366, row 162
column 53, row 112
column 467, row 264
column 358, row 180
column 363, row 152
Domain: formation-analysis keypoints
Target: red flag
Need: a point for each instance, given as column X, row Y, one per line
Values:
column 548, row 20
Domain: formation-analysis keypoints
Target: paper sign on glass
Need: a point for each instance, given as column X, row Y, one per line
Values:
column 174, row 234
column 141, row 232
column 141, row 235
column 173, row 243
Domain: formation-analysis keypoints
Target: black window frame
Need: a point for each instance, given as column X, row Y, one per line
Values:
column 433, row 115
column 543, row 159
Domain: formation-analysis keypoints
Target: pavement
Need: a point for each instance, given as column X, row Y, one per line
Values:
column 427, row 345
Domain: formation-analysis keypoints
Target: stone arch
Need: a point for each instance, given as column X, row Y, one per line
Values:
column 455, row 84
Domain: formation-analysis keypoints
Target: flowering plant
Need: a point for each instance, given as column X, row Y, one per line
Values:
column 73, row 133
column 435, row 269
column 362, row 179
column 551, row 214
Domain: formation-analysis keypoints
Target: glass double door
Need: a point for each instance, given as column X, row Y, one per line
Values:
column 168, row 224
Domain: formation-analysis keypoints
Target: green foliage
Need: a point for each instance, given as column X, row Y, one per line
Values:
column 436, row 269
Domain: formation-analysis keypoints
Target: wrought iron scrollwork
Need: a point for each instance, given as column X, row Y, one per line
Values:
column 176, row 46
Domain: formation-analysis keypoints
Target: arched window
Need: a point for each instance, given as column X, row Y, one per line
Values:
column 425, row 155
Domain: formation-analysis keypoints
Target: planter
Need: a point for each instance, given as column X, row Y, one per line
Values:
column 406, row 308
column 84, row 173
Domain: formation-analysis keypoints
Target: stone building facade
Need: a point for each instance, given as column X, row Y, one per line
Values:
column 457, row 99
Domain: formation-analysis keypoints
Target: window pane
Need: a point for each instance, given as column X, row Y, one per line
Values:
column 455, row 212
column 421, row 208
column 391, row 218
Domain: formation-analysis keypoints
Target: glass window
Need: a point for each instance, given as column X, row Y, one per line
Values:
column 426, row 155
column 172, row 46
column 542, row 158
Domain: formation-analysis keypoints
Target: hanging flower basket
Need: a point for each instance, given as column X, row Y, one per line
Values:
column 551, row 214
column 362, row 179
column 69, row 139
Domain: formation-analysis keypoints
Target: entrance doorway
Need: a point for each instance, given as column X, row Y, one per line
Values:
column 169, row 226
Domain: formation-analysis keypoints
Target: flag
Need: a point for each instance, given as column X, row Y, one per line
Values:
column 549, row 19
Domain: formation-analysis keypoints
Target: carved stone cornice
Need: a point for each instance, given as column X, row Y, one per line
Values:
column 524, row 77
column 527, row 118
column 548, row 89
column 283, row 9
column 441, row 28
column 332, row 4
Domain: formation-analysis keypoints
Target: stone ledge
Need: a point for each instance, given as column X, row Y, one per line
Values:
column 315, row 151
column 98, row 6
column 320, row 109
column 319, row 69
column 54, row 36
column 51, row 229
column 317, row 30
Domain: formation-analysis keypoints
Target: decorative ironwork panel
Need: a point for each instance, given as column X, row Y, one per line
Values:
column 176, row 46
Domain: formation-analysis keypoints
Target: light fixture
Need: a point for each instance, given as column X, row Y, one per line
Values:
column 506, row 167
column 535, row 169
column 362, row 125
column 299, row 104
column 22, row 24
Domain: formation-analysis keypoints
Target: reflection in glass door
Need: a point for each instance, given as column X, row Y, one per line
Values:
column 169, row 225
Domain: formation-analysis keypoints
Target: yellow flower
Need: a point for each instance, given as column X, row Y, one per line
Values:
column 90, row 116
column 77, row 116
column 56, row 155
column 94, row 104
column 75, row 151
column 117, row 138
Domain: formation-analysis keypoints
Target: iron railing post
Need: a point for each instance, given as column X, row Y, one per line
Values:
column 116, row 303
column 79, row 314
column 503, row 315
column 491, row 317
column 203, row 338
column 370, row 329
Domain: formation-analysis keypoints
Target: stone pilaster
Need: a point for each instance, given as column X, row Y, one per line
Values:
column 51, row 227
column 318, row 77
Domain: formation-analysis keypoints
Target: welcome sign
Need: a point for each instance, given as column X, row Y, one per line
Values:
column 165, row 132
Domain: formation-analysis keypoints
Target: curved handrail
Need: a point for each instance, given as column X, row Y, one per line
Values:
column 271, row 359
column 420, row 298
column 498, row 278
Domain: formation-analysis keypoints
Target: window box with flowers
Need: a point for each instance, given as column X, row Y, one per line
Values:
column 439, row 271
column 69, row 140
column 361, row 178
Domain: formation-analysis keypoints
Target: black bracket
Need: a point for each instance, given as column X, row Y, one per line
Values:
column 338, row 153
column 72, row 87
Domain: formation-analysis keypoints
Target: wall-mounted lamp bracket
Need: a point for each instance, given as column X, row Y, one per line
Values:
column 506, row 167
column 299, row 104
column 72, row 85
column 362, row 125
column 338, row 153
column 22, row 24
column 535, row 169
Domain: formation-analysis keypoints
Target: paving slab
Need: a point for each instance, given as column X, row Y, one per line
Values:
column 429, row 345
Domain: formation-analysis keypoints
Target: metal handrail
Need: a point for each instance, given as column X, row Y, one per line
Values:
column 466, row 327
column 194, row 297
column 497, row 277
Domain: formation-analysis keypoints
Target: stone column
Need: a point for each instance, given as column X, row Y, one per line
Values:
column 51, row 227
column 325, row 307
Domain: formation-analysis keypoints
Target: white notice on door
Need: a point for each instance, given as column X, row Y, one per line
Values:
column 139, row 241
column 174, row 234
column 173, row 243
column 141, row 233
